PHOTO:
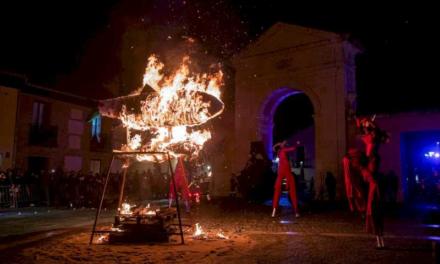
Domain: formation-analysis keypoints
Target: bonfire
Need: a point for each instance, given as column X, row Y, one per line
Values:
column 169, row 113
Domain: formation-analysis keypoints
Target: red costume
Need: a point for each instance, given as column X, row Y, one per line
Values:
column 181, row 181
column 284, row 171
column 363, row 168
column 353, row 180
column 370, row 174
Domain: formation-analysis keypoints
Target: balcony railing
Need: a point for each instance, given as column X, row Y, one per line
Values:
column 101, row 144
column 44, row 136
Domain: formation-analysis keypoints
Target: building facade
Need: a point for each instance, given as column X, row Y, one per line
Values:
column 413, row 137
column 8, row 116
column 54, row 130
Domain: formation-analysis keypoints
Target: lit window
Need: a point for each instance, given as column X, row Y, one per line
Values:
column 95, row 166
column 96, row 126
column 38, row 114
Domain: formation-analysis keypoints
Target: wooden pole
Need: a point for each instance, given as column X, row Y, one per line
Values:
column 176, row 199
column 98, row 210
column 121, row 190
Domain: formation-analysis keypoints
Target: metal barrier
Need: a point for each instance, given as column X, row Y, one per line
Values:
column 15, row 195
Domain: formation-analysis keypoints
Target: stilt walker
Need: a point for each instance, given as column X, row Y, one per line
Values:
column 373, row 136
column 366, row 169
column 181, row 183
column 284, row 171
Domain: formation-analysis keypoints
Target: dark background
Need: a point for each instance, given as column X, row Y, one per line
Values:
column 91, row 47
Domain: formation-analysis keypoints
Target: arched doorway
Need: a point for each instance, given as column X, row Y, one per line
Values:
column 267, row 114
column 288, row 114
column 277, row 119
column 293, row 121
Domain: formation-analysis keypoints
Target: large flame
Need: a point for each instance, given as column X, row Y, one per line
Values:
column 170, row 117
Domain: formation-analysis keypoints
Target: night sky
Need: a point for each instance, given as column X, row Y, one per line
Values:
column 86, row 47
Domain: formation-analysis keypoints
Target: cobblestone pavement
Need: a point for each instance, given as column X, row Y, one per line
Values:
column 239, row 215
column 326, row 236
column 320, row 236
column 23, row 221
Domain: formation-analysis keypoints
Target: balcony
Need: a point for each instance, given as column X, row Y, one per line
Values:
column 43, row 136
column 103, row 144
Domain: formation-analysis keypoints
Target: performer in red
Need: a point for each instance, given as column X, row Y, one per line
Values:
column 373, row 136
column 284, row 171
column 365, row 167
column 181, row 183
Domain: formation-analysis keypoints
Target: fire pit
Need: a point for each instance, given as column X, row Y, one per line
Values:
column 143, row 225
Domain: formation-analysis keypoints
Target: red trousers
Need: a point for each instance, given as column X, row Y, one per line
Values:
column 183, row 186
column 284, row 172
column 353, row 188
column 375, row 209
column 181, row 182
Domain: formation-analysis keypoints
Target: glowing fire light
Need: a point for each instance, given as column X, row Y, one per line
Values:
column 198, row 233
column 126, row 209
column 221, row 235
column 102, row 239
column 172, row 113
column 116, row 229
column 150, row 212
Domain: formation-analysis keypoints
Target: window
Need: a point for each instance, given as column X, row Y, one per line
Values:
column 72, row 163
column 74, row 142
column 76, row 114
column 96, row 126
column 75, row 127
column 95, row 166
column 38, row 112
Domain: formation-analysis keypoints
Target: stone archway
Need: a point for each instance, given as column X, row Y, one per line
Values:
column 297, row 59
column 267, row 113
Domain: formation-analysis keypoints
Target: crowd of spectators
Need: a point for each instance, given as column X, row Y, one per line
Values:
column 58, row 188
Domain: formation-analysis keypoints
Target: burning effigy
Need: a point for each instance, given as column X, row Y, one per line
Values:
column 169, row 112
column 165, row 118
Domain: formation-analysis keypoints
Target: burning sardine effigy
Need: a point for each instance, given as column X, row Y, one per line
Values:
column 171, row 116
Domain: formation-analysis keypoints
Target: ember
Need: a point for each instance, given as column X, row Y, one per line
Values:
column 221, row 235
column 115, row 229
column 102, row 239
column 126, row 209
column 198, row 233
